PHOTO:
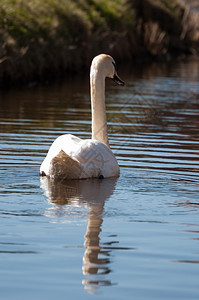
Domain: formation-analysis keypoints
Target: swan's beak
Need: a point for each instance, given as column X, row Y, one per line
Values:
column 117, row 79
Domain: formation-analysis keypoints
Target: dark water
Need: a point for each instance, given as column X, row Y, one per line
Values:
column 135, row 237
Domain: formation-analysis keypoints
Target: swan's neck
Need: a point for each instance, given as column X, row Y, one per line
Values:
column 99, row 124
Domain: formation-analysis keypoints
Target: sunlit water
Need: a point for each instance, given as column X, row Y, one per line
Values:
column 135, row 237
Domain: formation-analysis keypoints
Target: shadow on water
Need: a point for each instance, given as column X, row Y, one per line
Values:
column 93, row 193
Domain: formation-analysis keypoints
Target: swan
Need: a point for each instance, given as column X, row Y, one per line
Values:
column 73, row 158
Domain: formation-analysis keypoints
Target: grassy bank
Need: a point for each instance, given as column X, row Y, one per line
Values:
column 40, row 39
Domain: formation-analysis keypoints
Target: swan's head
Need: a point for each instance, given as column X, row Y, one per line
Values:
column 105, row 65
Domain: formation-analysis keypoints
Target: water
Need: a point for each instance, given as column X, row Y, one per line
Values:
column 135, row 237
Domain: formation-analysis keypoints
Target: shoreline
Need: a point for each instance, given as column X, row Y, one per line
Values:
column 44, row 41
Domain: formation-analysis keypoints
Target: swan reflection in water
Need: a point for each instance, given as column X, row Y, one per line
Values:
column 93, row 193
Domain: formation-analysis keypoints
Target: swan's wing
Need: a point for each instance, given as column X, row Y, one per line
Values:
column 71, row 157
column 64, row 166
column 67, row 143
column 96, row 159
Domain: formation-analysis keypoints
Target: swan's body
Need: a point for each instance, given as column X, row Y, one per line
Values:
column 72, row 157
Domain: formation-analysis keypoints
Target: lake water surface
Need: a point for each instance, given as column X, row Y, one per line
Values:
column 135, row 237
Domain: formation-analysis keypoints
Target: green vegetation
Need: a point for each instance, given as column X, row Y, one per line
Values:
column 46, row 38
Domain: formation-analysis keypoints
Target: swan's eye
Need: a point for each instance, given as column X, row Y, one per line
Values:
column 115, row 66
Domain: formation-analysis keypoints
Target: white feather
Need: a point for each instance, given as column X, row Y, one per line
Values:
column 72, row 157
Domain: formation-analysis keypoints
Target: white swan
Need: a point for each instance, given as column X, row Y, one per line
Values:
column 74, row 158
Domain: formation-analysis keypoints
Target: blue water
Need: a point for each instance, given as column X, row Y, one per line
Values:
column 135, row 237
